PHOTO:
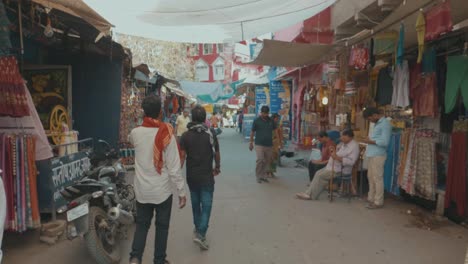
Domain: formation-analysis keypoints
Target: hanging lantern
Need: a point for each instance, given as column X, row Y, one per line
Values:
column 48, row 31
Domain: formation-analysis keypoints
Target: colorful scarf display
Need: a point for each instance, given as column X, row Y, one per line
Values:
column 17, row 157
column 13, row 101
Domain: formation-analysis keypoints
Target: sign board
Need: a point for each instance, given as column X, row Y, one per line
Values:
column 247, row 125
column 208, row 108
column 280, row 102
column 66, row 171
column 262, row 97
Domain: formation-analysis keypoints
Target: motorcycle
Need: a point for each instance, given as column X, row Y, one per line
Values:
column 101, row 206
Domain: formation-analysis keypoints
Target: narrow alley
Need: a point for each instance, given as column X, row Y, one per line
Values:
column 265, row 224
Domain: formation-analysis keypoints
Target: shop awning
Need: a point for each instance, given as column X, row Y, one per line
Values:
column 258, row 79
column 287, row 54
column 205, row 92
column 176, row 90
column 79, row 9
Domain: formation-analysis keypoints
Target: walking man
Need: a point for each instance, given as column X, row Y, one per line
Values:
column 200, row 147
column 377, row 154
column 181, row 123
column 262, row 130
column 157, row 163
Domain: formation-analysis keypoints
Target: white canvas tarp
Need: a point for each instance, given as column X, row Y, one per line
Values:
column 209, row 21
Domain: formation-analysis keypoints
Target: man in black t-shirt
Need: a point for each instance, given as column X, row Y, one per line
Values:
column 262, row 132
column 200, row 147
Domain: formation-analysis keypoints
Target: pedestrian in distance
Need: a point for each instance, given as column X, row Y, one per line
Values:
column 262, row 132
column 157, row 163
column 200, row 148
column 181, row 123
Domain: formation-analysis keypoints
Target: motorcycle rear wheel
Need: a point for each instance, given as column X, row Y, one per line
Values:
column 102, row 252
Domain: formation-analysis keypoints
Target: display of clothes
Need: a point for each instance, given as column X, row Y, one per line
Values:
column 13, row 101
column 418, row 163
column 438, row 20
column 455, row 192
column 400, row 97
column 18, row 161
column 391, row 165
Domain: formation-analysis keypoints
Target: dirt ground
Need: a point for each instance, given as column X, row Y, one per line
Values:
column 265, row 224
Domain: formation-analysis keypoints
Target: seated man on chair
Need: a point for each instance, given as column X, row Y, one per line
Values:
column 341, row 161
column 314, row 164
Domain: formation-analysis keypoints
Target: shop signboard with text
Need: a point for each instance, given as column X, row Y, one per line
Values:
column 280, row 101
column 262, row 97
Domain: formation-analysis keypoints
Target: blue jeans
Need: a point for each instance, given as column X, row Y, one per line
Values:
column 202, row 201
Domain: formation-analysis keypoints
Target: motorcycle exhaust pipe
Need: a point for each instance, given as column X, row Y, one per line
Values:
column 120, row 215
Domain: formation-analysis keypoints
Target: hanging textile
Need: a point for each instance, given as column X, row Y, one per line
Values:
column 419, row 176
column 17, row 157
column 391, row 165
column 401, row 45
column 456, row 82
column 359, row 58
column 438, row 21
column 457, row 169
column 13, row 101
column 421, row 32
column 384, row 86
column 400, row 97
column 423, row 87
column 385, row 43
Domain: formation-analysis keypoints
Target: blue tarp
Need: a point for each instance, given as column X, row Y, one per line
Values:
column 208, row 92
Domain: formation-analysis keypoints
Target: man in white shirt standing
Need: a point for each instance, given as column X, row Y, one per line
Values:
column 181, row 123
column 157, row 164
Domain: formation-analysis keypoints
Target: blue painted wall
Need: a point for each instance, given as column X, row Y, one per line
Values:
column 96, row 89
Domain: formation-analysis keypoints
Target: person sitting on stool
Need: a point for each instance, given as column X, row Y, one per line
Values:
column 341, row 160
column 315, row 165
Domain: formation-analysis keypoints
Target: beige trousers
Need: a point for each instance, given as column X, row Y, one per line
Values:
column 264, row 155
column 375, row 174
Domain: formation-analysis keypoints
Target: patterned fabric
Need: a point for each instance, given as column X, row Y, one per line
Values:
column 359, row 58
column 13, row 101
column 418, row 164
column 161, row 141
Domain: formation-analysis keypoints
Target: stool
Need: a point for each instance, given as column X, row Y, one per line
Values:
column 347, row 180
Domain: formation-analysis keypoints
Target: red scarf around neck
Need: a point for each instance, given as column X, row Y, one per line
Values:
column 161, row 141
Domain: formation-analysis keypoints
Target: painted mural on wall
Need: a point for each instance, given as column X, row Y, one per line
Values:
column 49, row 87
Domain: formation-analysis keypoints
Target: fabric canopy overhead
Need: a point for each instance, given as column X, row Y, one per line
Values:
column 209, row 21
column 79, row 9
column 287, row 54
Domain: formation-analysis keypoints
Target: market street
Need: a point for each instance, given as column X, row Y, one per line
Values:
column 264, row 223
